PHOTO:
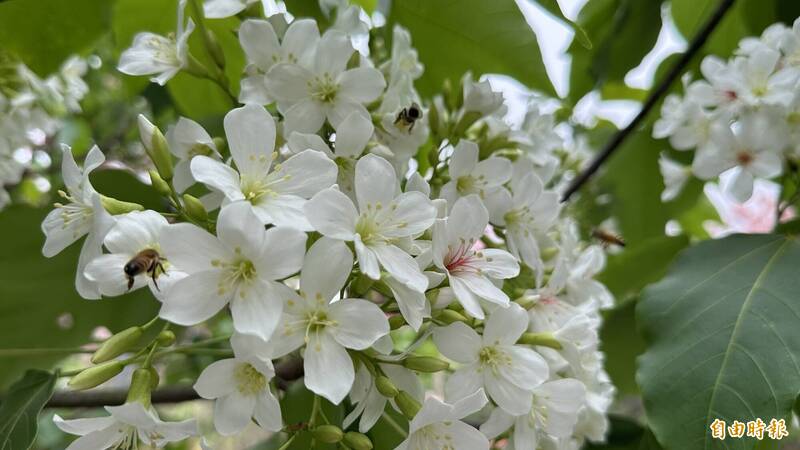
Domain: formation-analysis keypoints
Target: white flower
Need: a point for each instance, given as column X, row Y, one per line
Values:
column 220, row 9
column 479, row 96
column 538, row 136
column 155, row 54
column 507, row 372
column 188, row 139
column 327, row 329
column 438, row 426
column 554, row 413
column 790, row 43
column 82, row 215
column 675, row 177
column 382, row 219
column 260, row 43
column 369, row 404
column 124, row 428
column 240, row 388
column 137, row 231
column 328, row 90
column 276, row 194
column 468, row 175
column 758, row 79
column 752, row 151
column 526, row 213
column 685, row 122
column 238, row 267
column 471, row 271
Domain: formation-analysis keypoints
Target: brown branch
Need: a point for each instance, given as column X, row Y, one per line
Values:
column 285, row 371
column 653, row 99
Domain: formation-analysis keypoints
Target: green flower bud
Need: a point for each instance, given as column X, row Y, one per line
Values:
column 166, row 338
column 156, row 146
column 543, row 339
column 328, row 434
column 455, row 306
column 115, row 207
column 362, row 284
column 466, row 121
column 159, row 184
column 357, row 441
column 427, row 364
column 95, row 376
column 396, row 321
column 386, row 387
column 194, row 208
column 215, row 49
column 449, row 316
column 155, row 378
column 407, row 404
column 219, row 142
column 141, row 386
column 117, row 345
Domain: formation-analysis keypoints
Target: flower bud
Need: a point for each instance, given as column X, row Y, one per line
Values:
column 155, row 378
column 386, row 387
column 215, row 49
column 141, row 386
column 427, row 364
column 159, row 184
column 543, row 339
column 156, row 146
column 362, row 284
column 116, row 207
column 527, row 301
column 328, row 434
column 357, row 441
column 95, row 376
column 396, row 321
column 407, row 404
column 166, row 338
column 449, row 316
column 117, row 345
column 194, row 208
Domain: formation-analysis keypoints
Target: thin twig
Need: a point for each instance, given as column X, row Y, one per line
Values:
column 654, row 97
column 285, row 371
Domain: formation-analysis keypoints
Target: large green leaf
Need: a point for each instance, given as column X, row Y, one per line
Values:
column 622, row 33
column 40, row 292
column 722, row 338
column 44, row 33
column 20, row 408
column 453, row 36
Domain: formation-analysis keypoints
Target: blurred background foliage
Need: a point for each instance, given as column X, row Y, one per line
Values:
column 38, row 304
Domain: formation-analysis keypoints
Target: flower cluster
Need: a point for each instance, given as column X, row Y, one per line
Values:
column 338, row 217
column 742, row 120
column 31, row 110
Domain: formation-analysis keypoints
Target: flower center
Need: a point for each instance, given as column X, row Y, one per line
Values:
column 493, row 358
column 520, row 218
column 128, row 440
column 461, row 258
column 200, row 149
column 744, row 158
column 255, row 190
column 433, row 436
column 249, row 381
column 235, row 273
column 323, row 88
column 164, row 50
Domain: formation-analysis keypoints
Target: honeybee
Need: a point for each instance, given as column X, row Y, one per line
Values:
column 146, row 261
column 407, row 117
column 607, row 238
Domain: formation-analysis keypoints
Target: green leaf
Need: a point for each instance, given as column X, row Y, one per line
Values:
column 622, row 345
column 40, row 292
column 454, row 36
column 44, row 33
column 580, row 34
column 622, row 31
column 20, row 408
column 745, row 18
column 629, row 271
column 625, row 434
column 722, row 338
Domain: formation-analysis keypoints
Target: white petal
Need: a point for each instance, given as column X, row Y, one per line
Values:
column 463, row 382
column 505, row 325
column 465, row 297
column 284, row 211
column 362, row 84
column 255, row 311
column 190, row 248
column 301, row 39
column 499, row 422
column 367, row 260
column 232, row 413
column 217, row 379
column 268, row 412
column 401, row 266
column 319, row 278
column 218, row 175
column 107, row 272
column 328, row 369
column 510, row 397
column 376, row 182
column 288, row 83
column 468, row 219
column 259, row 42
column 458, row 342
column 333, row 214
column 333, row 52
column 251, row 138
column 410, row 214
column 352, row 135
column 483, row 288
column 82, row 427
column 282, row 254
column 495, row 170
column 307, row 141
column 306, row 116
column 469, row 405
column 104, row 438
column 239, row 228
column 466, row 437
column 359, row 323
column 304, row 174
column 464, row 159
column 219, row 9
column 496, row 263
column 194, row 299
column 740, row 185
column 527, row 369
